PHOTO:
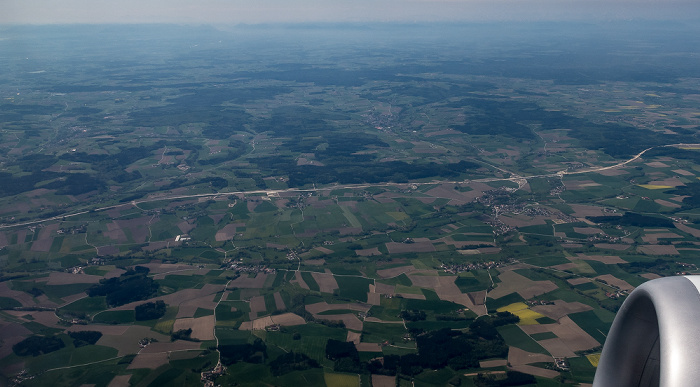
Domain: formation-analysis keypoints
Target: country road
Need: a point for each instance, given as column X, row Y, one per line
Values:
column 514, row 178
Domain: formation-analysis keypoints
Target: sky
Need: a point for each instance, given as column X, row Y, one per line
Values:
column 304, row 11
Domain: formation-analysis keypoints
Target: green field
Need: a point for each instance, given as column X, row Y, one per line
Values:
column 180, row 162
column 381, row 332
column 310, row 281
column 354, row 288
column 312, row 341
column 114, row 317
column 87, row 306
column 515, row 336
column 595, row 322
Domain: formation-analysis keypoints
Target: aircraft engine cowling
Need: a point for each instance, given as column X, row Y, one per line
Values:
column 655, row 337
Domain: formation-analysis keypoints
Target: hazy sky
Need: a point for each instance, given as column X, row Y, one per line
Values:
column 272, row 11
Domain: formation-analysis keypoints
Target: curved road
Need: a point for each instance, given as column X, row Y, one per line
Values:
column 514, row 178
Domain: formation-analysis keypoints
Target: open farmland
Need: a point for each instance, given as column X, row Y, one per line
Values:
column 397, row 205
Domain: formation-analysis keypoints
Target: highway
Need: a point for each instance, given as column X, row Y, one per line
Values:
column 514, row 178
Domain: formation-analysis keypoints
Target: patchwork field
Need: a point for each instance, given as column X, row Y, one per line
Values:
column 309, row 206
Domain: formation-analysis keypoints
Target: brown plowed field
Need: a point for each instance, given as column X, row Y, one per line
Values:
column 383, row 381
column 228, row 232
column 63, row 278
column 666, row 203
column 351, row 321
column 148, row 360
column 178, row 297
column 560, row 309
column 120, row 381
column 374, row 298
column 11, row 334
column 522, row 220
column 246, row 282
column 257, row 306
column 353, row 337
column 285, row 319
column 447, row 191
column 262, row 323
column 279, row 302
column 24, row 298
column 573, row 336
column 517, row 356
column 202, row 327
column 578, row 281
column 383, row 288
column 425, row 281
column 477, row 298
column 493, row 363
column 395, row 271
column 690, row 230
column 188, row 308
column 658, row 250
column 42, row 245
column 526, row 369
column 299, row 281
column 326, row 282
column 368, row 347
column 582, row 210
column 368, row 252
column 128, row 342
column 557, row 348
column 527, row 288
column 288, row 319
column 654, row 238
column 612, row 280
column 185, row 227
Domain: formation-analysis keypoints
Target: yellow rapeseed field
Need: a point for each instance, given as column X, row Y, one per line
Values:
column 341, row 380
column 594, row 358
column 520, row 309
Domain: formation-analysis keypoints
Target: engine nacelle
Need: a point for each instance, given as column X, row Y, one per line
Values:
column 655, row 338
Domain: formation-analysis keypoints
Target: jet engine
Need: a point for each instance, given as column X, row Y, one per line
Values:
column 655, row 337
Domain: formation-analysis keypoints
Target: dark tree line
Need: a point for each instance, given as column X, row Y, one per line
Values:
column 83, row 338
column 250, row 353
column 634, row 219
column 150, row 311
column 37, row 345
column 133, row 285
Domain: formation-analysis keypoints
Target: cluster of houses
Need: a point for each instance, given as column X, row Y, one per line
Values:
column 616, row 294
column 454, row 269
column 21, row 377
column 208, row 377
column 539, row 302
column 561, row 364
column 240, row 267
column 72, row 230
column 292, row 255
column 499, row 228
